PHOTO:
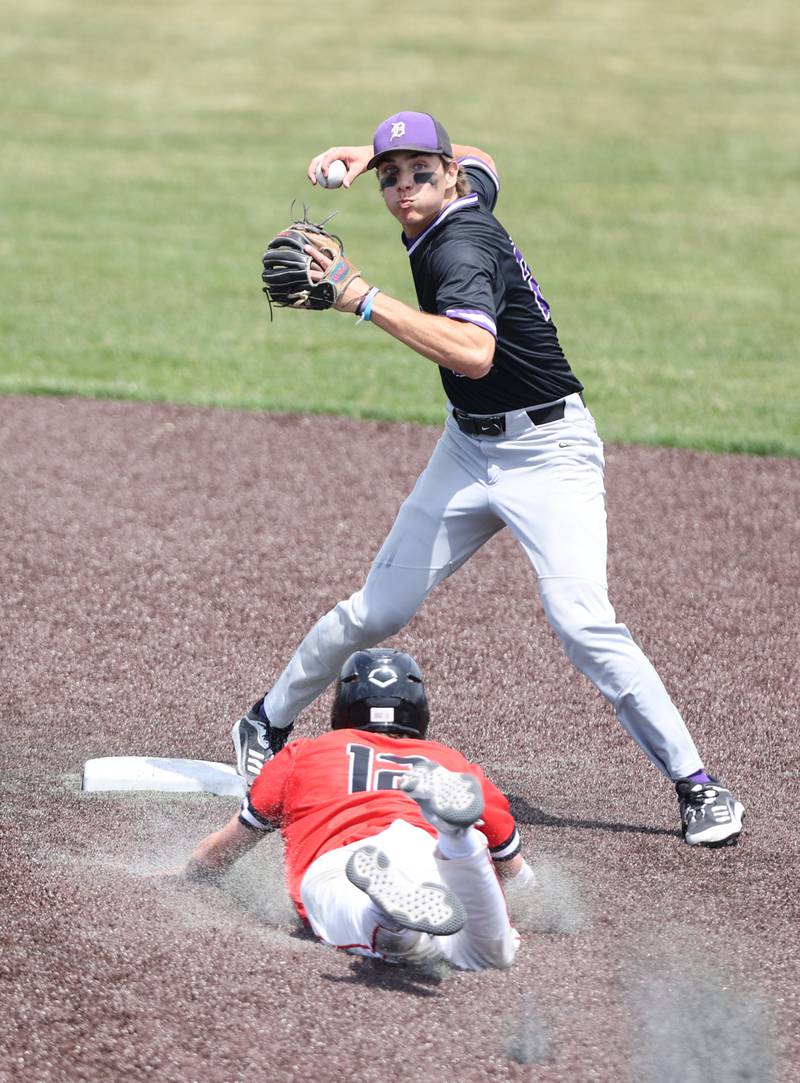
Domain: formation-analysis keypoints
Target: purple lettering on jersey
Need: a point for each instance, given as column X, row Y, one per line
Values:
column 530, row 281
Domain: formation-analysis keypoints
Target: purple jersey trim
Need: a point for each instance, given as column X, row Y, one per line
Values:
column 471, row 315
column 457, row 205
column 480, row 164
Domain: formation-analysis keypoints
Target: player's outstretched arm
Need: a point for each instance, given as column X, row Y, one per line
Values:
column 457, row 345
column 355, row 158
column 217, row 852
column 460, row 346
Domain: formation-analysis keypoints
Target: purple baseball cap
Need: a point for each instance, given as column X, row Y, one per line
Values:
column 410, row 131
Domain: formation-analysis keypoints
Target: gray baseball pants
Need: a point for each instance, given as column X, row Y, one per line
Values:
column 546, row 484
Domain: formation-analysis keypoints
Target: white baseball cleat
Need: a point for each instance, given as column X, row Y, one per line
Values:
column 450, row 800
column 427, row 908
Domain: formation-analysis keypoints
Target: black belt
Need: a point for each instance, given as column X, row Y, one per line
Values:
column 496, row 424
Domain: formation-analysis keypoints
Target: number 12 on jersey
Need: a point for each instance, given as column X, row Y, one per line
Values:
column 367, row 774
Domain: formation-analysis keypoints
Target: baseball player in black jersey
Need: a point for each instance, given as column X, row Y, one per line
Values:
column 519, row 449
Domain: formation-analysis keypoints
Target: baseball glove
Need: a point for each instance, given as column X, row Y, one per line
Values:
column 287, row 267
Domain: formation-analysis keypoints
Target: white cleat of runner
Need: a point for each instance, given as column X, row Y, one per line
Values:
column 428, row 908
column 449, row 800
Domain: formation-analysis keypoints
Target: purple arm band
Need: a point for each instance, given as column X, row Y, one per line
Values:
column 471, row 315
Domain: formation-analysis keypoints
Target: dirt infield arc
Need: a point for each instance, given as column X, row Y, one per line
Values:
column 159, row 563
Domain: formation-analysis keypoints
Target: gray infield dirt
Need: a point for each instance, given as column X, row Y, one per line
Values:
column 158, row 566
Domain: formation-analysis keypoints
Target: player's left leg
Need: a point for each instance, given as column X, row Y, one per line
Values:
column 552, row 496
column 551, row 493
column 604, row 650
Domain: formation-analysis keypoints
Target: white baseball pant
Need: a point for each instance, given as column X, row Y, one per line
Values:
column 343, row 916
column 546, row 484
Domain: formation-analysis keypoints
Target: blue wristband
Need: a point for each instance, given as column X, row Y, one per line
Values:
column 364, row 311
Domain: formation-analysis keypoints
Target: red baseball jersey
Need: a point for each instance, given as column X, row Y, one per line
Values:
column 342, row 787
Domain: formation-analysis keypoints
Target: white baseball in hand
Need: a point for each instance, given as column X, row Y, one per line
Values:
column 337, row 171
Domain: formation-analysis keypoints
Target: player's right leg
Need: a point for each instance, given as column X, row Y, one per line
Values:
column 443, row 521
column 381, row 908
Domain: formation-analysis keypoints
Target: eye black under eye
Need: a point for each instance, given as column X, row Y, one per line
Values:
column 424, row 177
column 388, row 180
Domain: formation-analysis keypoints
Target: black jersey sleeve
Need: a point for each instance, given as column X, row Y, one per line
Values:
column 483, row 181
column 466, row 280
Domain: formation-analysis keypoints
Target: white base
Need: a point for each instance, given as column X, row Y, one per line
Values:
column 164, row 775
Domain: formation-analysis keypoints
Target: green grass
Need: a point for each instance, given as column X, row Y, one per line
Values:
column 650, row 173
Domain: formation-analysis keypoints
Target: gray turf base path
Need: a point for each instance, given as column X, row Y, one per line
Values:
column 158, row 564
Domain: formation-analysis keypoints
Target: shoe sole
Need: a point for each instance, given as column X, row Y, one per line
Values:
column 426, row 908
column 456, row 798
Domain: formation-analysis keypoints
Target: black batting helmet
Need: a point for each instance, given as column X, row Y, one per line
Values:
column 382, row 691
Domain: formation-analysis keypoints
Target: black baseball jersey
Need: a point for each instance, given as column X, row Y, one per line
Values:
column 467, row 267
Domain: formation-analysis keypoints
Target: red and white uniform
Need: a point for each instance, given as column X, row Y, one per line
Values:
column 340, row 788
column 332, row 793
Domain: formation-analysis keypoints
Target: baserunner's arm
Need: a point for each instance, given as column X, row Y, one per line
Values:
column 218, row 851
